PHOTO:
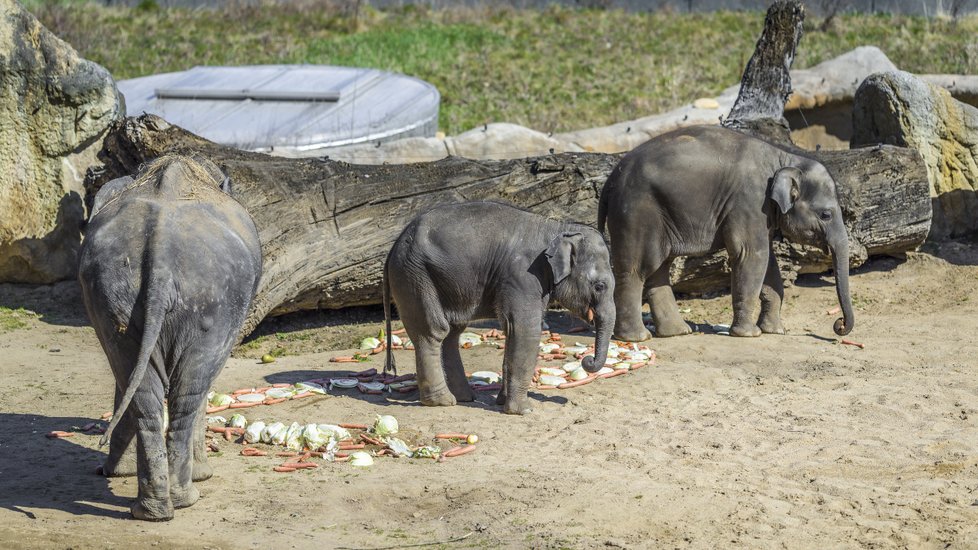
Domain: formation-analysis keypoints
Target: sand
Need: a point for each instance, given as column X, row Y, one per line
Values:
column 779, row 441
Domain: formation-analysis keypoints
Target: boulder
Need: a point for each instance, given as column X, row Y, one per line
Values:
column 897, row 108
column 54, row 107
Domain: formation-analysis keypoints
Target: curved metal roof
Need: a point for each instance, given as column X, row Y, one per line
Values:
column 296, row 108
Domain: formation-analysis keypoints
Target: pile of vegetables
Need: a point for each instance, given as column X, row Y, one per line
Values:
column 357, row 444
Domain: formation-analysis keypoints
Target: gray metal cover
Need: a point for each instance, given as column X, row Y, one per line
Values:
column 293, row 111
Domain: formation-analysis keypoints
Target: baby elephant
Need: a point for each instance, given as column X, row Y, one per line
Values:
column 481, row 260
column 699, row 189
column 168, row 270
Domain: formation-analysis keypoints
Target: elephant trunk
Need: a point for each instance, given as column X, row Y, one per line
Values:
column 840, row 262
column 604, row 323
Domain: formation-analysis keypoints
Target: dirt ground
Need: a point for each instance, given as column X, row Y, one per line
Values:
column 780, row 441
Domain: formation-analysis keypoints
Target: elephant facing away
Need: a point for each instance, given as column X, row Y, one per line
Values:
column 696, row 190
column 483, row 260
column 168, row 270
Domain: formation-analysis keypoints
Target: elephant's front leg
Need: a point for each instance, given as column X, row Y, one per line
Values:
column 749, row 263
column 772, row 296
column 519, row 359
column 153, row 500
column 665, row 311
column 201, row 469
column 458, row 384
column 628, row 303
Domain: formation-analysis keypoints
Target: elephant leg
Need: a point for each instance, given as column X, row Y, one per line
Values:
column 454, row 371
column 519, row 359
column 628, row 303
column 501, row 397
column 772, row 296
column 202, row 471
column 665, row 312
column 121, row 461
column 153, row 500
column 748, row 264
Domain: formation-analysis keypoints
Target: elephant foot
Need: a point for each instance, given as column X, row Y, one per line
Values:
column 771, row 327
column 749, row 330
column 185, row 498
column 152, row 509
column 438, row 399
column 632, row 335
column 666, row 329
column 517, row 406
column 119, row 469
column 464, row 395
column 202, row 471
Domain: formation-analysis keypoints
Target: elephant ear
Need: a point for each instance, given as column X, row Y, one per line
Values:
column 784, row 189
column 560, row 254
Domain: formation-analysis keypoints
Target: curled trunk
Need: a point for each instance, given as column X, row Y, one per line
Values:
column 840, row 261
column 604, row 324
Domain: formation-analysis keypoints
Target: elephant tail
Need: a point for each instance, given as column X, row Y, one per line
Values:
column 152, row 326
column 389, row 365
column 603, row 205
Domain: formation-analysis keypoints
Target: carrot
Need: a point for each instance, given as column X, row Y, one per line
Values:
column 613, row 374
column 283, row 469
column 377, row 349
column 212, row 410
column 244, row 405
column 488, row 387
column 343, row 359
column 370, row 440
column 262, row 389
column 341, row 459
column 458, row 451
column 317, row 453
column 303, row 465
column 242, row 391
column 368, row 372
column 341, row 455
column 58, row 434
column 636, row 366
column 228, row 435
column 216, row 429
column 851, row 343
column 399, row 331
column 406, row 389
column 281, row 385
column 560, row 356
column 452, row 436
column 555, row 338
column 833, row 311
column 546, row 357
column 302, row 395
column 403, row 378
column 352, row 446
column 354, row 426
column 382, row 452
column 575, row 330
column 467, row 345
column 287, row 453
column 546, row 387
column 106, row 416
column 268, row 401
column 575, row 383
column 251, row 451
column 345, row 442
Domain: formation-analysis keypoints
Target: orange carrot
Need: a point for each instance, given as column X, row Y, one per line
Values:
column 354, row 426
column 286, row 453
column 244, row 405
column 546, row 387
column 343, row 359
column 458, row 451
column 575, row 383
column 251, row 451
column 242, row 391
column 106, row 416
column 283, row 469
column 636, row 366
column 851, row 343
column 399, row 331
column 575, row 330
column 341, row 455
column 303, row 465
column 559, row 356
column 613, row 374
column 212, row 410
column 555, row 338
column 268, row 401
column 368, row 372
column 352, row 446
column 370, row 440
column 302, row 395
column 341, row 459
column 281, row 385
column 216, row 429
column 228, row 435
column 833, row 311
column 377, row 349
column 58, row 434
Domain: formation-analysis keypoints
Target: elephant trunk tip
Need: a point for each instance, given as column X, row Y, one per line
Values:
column 840, row 327
column 590, row 365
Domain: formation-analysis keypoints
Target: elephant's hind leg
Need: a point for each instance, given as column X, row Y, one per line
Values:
column 153, row 500
column 458, row 384
column 628, row 303
column 749, row 264
column 121, row 461
column 665, row 312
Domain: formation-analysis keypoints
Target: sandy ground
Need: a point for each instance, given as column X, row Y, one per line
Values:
column 781, row 441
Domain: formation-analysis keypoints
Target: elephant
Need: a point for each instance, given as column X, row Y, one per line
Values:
column 168, row 269
column 486, row 259
column 698, row 189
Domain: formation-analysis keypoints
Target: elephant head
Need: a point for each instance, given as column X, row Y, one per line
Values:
column 808, row 212
column 584, row 284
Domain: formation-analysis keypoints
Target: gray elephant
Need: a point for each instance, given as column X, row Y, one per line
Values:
column 696, row 190
column 481, row 260
column 168, row 270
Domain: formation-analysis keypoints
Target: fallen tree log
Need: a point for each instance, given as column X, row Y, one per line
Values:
column 326, row 226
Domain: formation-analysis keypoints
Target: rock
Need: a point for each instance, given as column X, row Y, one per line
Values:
column 898, row 108
column 706, row 103
column 503, row 141
column 54, row 107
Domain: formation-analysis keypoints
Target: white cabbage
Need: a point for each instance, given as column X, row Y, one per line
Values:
column 254, row 431
column 385, row 425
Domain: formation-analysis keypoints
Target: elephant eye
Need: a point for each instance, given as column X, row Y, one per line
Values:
column 600, row 286
column 826, row 215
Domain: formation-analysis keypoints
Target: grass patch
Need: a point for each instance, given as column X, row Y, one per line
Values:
column 556, row 69
column 14, row 319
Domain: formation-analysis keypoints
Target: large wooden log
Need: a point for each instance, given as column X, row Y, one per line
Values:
column 326, row 226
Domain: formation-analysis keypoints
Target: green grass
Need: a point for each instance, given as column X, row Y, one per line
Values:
column 500, row 65
column 14, row 319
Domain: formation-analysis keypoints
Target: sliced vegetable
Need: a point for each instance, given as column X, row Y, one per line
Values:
column 470, row 338
column 238, row 421
column 343, row 383
column 369, row 343
column 220, row 400
column 547, row 380
column 251, row 398
column 311, row 387
column 486, row 376
column 385, row 425
column 254, row 431
column 361, row 458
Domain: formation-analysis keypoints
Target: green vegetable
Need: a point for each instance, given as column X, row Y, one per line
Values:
column 385, row 425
